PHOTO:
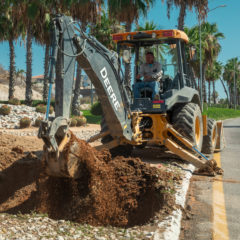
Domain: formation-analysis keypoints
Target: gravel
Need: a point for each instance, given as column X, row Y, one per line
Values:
column 36, row 226
column 80, row 133
column 17, row 113
column 11, row 121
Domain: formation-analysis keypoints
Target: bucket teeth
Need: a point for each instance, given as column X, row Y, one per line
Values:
column 67, row 162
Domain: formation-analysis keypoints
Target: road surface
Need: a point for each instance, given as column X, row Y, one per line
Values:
column 213, row 205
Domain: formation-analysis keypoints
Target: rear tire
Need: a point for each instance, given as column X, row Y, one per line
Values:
column 121, row 150
column 187, row 120
column 210, row 140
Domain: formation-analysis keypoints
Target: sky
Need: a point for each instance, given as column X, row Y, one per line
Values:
column 227, row 19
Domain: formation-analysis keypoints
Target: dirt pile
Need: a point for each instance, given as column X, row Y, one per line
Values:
column 19, row 170
column 119, row 192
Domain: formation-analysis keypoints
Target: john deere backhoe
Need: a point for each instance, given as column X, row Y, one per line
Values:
column 173, row 118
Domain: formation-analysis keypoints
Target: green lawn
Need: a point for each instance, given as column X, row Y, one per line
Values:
column 221, row 113
column 91, row 118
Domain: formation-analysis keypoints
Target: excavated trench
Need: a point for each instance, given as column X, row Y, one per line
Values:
column 118, row 192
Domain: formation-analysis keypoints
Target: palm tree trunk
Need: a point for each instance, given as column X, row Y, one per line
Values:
column 46, row 69
column 12, row 70
column 99, row 11
column 128, row 72
column 182, row 15
column 28, row 95
column 209, row 92
column 226, row 92
column 214, row 93
column 75, row 104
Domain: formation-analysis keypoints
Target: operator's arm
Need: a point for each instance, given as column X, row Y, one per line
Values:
column 141, row 71
column 157, row 71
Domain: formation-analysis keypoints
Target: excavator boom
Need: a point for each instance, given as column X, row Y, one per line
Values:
column 102, row 67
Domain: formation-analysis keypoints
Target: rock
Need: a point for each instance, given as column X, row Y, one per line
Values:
column 189, row 208
column 100, row 238
column 60, row 238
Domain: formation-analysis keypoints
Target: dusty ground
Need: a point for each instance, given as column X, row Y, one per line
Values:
column 18, row 93
column 120, row 192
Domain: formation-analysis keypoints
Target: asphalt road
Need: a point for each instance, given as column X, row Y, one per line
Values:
column 230, row 159
column 213, row 204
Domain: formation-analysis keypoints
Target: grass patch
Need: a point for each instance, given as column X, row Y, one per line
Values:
column 221, row 113
column 91, row 118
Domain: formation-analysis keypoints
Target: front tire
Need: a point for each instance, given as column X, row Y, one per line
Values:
column 210, row 140
column 187, row 120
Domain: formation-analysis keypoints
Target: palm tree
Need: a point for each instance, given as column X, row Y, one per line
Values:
column 28, row 93
column 46, row 71
column 231, row 68
column 147, row 26
column 42, row 36
column 210, row 47
column 225, row 90
column 10, row 28
column 128, row 11
column 218, row 73
column 193, row 35
column 39, row 11
column 36, row 12
column 103, row 29
column 75, row 105
column 213, row 73
column 19, row 74
column 200, row 6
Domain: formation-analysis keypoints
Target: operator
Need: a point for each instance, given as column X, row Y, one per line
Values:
column 151, row 73
column 151, row 70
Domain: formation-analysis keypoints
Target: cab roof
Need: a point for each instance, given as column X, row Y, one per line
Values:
column 151, row 34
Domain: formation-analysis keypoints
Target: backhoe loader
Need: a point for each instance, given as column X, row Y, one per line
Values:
column 172, row 117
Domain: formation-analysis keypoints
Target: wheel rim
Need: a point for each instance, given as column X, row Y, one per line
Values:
column 197, row 131
column 214, row 136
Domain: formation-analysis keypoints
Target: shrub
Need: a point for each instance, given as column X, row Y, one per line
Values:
column 43, row 108
column 5, row 110
column 73, row 122
column 96, row 109
column 14, row 101
column 81, row 121
column 38, row 122
column 25, row 122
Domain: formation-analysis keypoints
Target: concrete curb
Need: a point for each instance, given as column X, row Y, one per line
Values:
column 169, row 229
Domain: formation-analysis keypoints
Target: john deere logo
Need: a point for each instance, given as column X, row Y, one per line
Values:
column 109, row 88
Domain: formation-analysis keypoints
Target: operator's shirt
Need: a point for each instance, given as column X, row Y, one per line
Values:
column 153, row 70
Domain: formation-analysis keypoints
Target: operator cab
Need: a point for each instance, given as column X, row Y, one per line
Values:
column 168, row 49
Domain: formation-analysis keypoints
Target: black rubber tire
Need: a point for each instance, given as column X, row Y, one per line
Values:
column 121, row 150
column 210, row 140
column 185, row 119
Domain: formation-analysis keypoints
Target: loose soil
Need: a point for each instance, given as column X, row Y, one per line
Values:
column 118, row 192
